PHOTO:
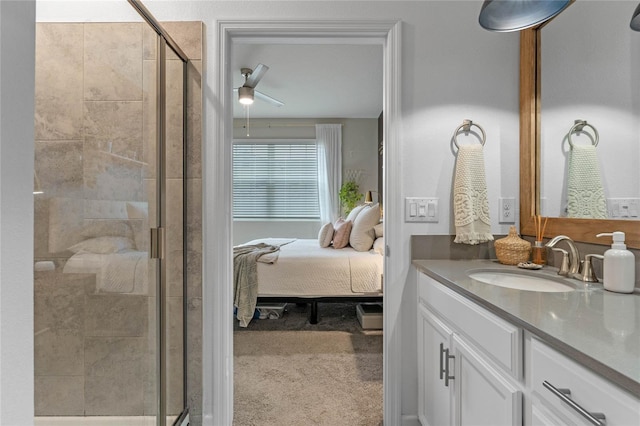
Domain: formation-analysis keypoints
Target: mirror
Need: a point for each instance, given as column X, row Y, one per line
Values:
column 589, row 71
column 588, row 95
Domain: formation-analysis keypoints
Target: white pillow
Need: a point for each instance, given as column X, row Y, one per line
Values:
column 138, row 214
column 378, row 245
column 354, row 213
column 103, row 245
column 325, row 235
column 362, row 233
column 379, row 230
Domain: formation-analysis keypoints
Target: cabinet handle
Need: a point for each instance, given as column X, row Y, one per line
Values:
column 597, row 419
column 441, row 362
column 447, row 377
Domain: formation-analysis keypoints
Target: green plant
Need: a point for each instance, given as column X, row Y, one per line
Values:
column 349, row 195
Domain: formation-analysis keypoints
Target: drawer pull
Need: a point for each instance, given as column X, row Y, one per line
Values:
column 597, row 419
column 447, row 377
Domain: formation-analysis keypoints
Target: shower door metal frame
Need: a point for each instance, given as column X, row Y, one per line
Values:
column 157, row 243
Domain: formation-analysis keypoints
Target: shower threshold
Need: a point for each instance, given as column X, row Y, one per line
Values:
column 99, row 421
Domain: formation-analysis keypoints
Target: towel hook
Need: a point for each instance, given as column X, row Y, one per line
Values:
column 578, row 127
column 466, row 128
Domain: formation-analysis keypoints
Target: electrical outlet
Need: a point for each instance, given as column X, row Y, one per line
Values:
column 507, row 209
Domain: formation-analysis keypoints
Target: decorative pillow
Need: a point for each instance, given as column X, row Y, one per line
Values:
column 138, row 214
column 355, row 212
column 379, row 230
column 342, row 230
column 325, row 235
column 378, row 245
column 362, row 233
column 103, row 245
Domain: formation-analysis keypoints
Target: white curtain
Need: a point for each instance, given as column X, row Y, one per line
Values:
column 329, row 140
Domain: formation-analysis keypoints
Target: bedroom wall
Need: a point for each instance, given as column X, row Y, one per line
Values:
column 451, row 70
column 359, row 159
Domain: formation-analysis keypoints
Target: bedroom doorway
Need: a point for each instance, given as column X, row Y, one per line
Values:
column 385, row 34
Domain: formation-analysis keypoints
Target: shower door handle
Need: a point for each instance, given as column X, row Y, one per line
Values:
column 156, row 243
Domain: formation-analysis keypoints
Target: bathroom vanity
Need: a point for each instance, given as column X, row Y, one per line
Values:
column 490, row 354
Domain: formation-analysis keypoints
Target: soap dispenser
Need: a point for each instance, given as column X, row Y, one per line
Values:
column 619, row 265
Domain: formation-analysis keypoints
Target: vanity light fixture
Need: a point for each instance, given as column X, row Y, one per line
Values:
column 516, row 15
column 635, row 21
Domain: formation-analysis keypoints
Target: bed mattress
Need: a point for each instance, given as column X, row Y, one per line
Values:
column 304, row 269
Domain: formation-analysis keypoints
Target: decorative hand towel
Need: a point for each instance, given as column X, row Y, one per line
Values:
column 585, row 194
column 470, row 204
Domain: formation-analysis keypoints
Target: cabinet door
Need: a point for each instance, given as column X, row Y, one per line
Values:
column 434, row 398
column 483, row 396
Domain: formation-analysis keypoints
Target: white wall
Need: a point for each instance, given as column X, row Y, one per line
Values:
column 17, row 73
column 359, row 152
column 590, row 66
column 451, row 70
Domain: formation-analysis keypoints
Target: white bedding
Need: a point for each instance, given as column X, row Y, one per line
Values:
column 304, row 269
column 125, row 272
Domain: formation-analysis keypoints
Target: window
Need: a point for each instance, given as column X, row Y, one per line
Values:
column 275, row 180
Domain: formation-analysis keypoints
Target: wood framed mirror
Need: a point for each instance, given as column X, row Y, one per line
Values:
column 583, row 230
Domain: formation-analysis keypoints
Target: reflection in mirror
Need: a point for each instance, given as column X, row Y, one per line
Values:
column 590, row 61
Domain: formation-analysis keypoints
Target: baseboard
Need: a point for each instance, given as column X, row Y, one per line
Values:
column 410, row 421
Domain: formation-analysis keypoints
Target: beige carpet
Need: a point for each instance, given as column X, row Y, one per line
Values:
column 289, row 372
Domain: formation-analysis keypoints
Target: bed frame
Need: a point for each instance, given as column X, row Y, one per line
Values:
column 313, row 302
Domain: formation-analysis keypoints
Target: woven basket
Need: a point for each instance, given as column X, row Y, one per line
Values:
column 512, row 249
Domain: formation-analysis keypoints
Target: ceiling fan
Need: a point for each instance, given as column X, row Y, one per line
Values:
column 247, row 92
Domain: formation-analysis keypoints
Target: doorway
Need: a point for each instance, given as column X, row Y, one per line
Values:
column 218, row 299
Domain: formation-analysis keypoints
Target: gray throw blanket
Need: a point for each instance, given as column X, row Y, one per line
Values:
column 245, row 278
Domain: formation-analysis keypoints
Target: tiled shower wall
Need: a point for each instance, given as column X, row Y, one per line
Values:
column 95, row 92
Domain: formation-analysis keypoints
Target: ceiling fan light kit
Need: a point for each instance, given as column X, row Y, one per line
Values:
column 245, row 95
column 247, row 92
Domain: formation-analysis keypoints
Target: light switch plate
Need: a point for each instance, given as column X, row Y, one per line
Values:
column 421, row 209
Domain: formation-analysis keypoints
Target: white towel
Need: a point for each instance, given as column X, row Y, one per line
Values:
column 471, row 207
column 585, row 194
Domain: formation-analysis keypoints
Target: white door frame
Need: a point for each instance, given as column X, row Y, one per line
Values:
column 217, row 343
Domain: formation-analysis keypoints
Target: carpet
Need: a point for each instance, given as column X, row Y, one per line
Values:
column 289, row 372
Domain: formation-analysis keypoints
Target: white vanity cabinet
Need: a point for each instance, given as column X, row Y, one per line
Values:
column 564, row 392
column 469, row 361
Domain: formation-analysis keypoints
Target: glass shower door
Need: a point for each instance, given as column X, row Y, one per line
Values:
column 109, row 240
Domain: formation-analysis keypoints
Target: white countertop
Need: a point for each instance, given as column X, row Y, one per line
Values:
column 596, row 327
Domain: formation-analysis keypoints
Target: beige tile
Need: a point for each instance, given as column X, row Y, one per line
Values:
column 150, row 118
column 175, row 377
column 58, row 165
column 59, row 300
column 40, row 226
column 59, row 395
column 175, row 273
column 194, row 274
column 175, row 119
column 194, row 119
column 194, row 354
column 113, row 151
column 174, row 236
column 59, row 353
column 58, row 82
column 188, row 35
column 114, row 370
column 118, row 315
column 149, row 42
column 194, row 215
column 113, row 61
column 150, row 375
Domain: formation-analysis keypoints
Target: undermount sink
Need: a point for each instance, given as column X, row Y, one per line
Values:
column 521, row 281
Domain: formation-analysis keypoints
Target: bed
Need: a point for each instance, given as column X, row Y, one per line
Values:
column 105, row 239
column 310, row 271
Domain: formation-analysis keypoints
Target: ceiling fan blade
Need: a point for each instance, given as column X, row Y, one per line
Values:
column 267, row 99
column 256, row 75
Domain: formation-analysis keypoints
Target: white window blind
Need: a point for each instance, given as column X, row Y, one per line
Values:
column 275, row 180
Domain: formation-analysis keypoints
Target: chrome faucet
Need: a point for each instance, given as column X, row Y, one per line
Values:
column 574, row 255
